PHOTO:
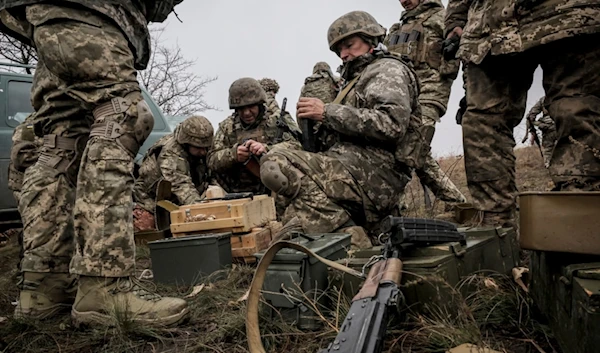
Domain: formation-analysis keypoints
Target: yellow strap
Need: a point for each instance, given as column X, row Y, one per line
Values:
column 167, row 205
column 252, row 326
column 342, row 95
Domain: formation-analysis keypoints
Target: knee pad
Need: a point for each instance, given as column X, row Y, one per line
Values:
column 283, row 180
column 132, row 129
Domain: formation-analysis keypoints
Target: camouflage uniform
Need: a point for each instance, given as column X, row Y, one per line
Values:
column 168, row 159
column 322, row 84
column 546, row 126
column 502, row 45
column 76, row 203
column 23, row 154
column 232, row 175
column 271, row 88
column 418, row 38
column 356, row 178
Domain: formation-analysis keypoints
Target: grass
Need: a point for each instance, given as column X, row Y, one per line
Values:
column 498, row 315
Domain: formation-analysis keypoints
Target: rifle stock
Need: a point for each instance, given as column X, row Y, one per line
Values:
column 309, row 142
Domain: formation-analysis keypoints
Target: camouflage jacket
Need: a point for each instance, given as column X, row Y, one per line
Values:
column 128, row 15
column 364, row 130
column 418, row 38
column 23, row 153
column 321, row 84
column 168, row 160
column 499, row 27
column 222, row 160
column 545, row 123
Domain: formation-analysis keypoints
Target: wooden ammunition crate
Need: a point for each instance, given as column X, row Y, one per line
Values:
column 244, row 246
column 236, row 216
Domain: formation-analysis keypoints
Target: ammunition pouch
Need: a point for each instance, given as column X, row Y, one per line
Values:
column 112, row 130
column 63, row 165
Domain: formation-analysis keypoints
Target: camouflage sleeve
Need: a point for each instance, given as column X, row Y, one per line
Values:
column 222, row 155
column 176, row 170
column 456, row 15
column 386, row 90
column 536, row 109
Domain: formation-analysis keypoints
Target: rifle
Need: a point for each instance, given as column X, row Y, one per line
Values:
column 363, row 330
column 309, row 142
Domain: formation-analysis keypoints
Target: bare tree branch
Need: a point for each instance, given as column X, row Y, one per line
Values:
column 171, row 80
column 17, row 52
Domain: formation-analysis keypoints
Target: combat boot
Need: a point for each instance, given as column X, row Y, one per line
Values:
column 104, row 301
column 44, row 295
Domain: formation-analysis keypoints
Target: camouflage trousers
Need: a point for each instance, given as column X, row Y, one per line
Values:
column 496, row 97
column 76, row 202
column 548, row 143
column 438, row 182
column 326, row 195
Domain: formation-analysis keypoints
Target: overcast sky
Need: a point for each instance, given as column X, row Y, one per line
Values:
column 283, row 39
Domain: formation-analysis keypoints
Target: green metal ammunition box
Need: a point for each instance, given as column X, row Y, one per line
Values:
column 430, row 273
column 187, row 260
column 294, row 278
column 566, row 289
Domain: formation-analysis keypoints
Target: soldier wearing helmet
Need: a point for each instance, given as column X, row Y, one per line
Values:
column 356, row 180
column 180, row 159
column 242, row 138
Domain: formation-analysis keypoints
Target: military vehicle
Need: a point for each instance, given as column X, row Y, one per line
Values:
column 15, row 105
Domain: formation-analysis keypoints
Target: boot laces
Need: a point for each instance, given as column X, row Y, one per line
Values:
column 139, row 288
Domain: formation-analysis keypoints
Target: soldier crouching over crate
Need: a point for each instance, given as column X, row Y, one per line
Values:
column 180, row 159
column 245, row 136
column 372, row 139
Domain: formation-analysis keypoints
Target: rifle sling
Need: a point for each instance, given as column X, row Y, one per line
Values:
column 252, row 327
column 342, row 95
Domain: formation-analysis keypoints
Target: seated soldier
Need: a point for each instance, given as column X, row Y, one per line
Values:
column 180, row 159
column 356, row 180
column 245, row 136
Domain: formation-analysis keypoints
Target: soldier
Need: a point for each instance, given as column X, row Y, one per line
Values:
column 546, row 126
column 271, row 88
column 418, row 38
column 180, row 159
column 502, row 44
column 23, row 154
column 245, row 136
column 371, row 124
column 322, row 84
column 77, row 199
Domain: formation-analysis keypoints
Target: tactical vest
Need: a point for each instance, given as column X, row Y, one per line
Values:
column 411, row 42
column 413, row 148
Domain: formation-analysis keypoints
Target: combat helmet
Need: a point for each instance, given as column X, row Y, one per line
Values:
column 196, row 131
column 355, row 22
column 246, row 91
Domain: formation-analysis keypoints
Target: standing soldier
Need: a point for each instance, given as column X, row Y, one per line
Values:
column 503, row 43
column 245, row 136
column 77, row 199
column 180, row 159
column 371, row 124
column 418, row 38
column 546, row 126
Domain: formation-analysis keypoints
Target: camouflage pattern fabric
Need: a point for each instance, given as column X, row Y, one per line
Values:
column 496, row 95
column 271, row 88
column 168, row 160
column 357, row 178
column 85, row 60
column 322, row 84
column 222, row 158
column 127, row 15
column 547, row 127
column 432, row 176
column 418, row 37
column 496, row 27
column 23, row 154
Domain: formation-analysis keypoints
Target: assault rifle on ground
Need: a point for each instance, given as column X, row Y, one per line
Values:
column 363, row 330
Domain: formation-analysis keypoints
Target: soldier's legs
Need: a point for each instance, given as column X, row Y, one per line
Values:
column 572, row 84
column 436, row 180
column 496, row 96
column 430, row 117
column 321, row 190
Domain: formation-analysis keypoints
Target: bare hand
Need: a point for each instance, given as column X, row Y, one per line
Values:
column 256, row 148
column 243, row 153
column 457, row 31
column 310, row 108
